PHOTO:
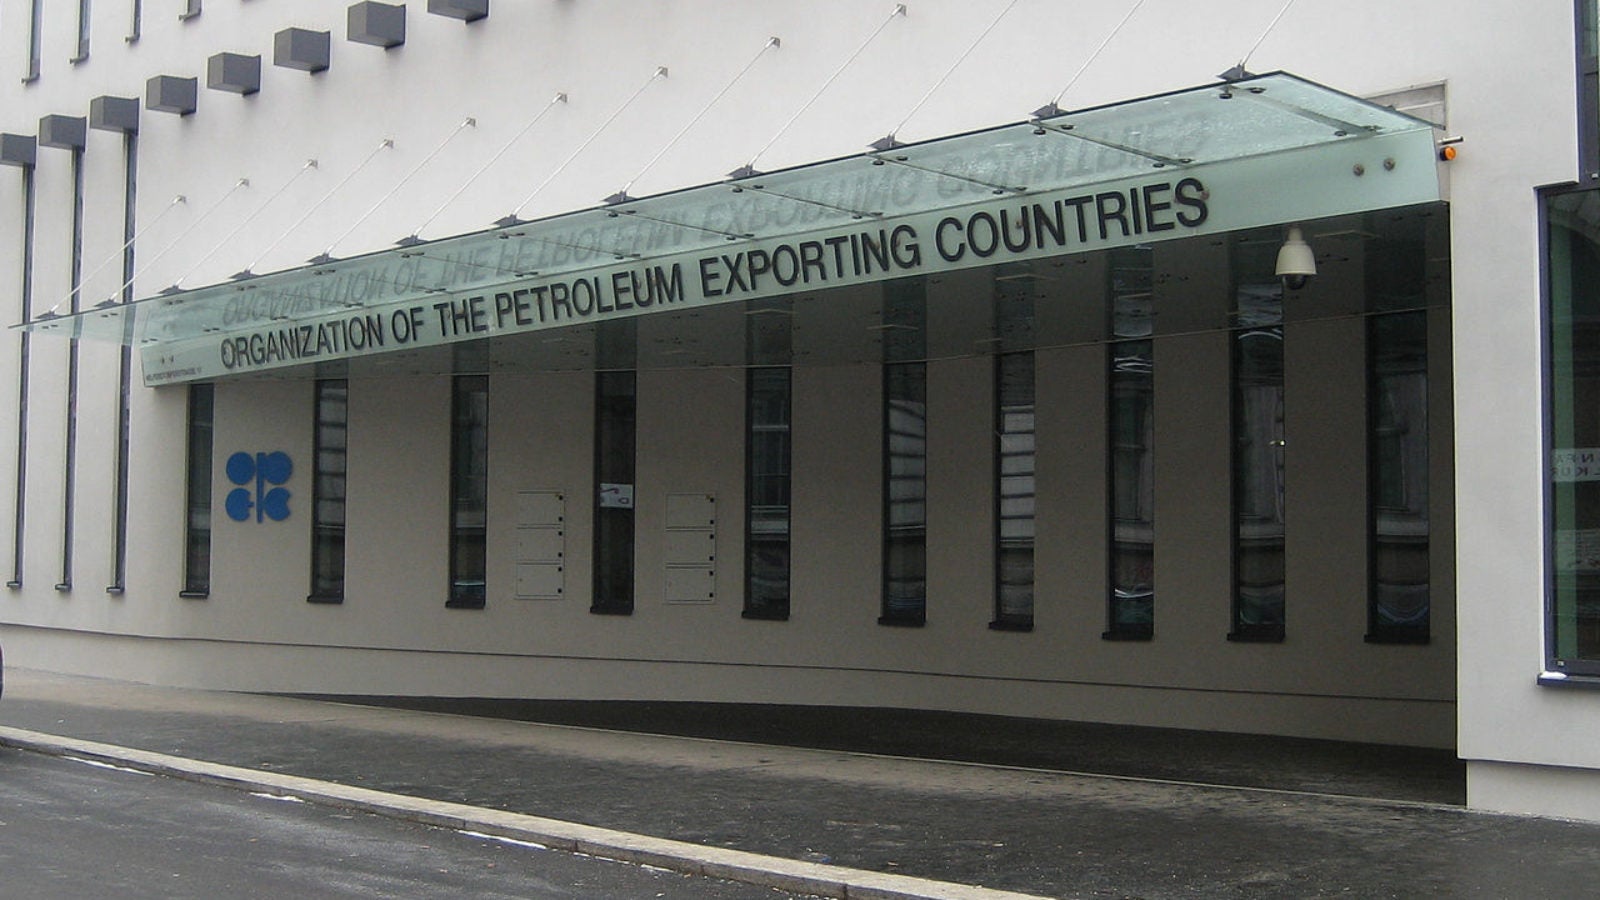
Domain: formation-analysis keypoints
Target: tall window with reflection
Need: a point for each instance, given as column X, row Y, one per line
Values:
column 1258, row 456
column 197, row 521
column 905, row 455
column 1572, row 295
column 767, row 454
column 1014, row 490
column 1015, row 285
column 614, row 438
column 1130, row 442
column 469, row 490
column 1131, row 424
column 327, row 492
column 1397, row 428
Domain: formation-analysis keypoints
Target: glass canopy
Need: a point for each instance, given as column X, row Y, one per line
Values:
column 1175, row 132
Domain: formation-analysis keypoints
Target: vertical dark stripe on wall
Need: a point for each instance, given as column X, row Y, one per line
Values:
column 70, row 462
column 21, row 497
column 905, row 454
column 615, row 442
column 119, row 527
column 197, row 509
column 35, row 40
column 83, row 32
column 329, row 454
column 768, row 451
column 136, row 22
column 1588, row 77
column 469, row 491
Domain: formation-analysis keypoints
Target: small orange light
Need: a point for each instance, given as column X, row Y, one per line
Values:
column 1447, row 153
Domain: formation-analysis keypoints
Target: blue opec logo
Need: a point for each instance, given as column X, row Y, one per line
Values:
column 255, row 471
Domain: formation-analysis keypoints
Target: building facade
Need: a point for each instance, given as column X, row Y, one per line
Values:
column 994, row 357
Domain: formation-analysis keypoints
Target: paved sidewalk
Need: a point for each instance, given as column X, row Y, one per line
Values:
column 1010, row 829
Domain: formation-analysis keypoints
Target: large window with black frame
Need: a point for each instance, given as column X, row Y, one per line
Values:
column 1572, row 298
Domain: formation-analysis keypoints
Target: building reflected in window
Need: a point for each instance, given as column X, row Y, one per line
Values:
column 1397, row 397
column 469, row 491
column 767, row 469
column 1258, row 470
column 1130, row 441
column 328, row 491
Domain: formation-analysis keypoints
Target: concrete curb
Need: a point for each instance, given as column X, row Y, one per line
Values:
column 678, row 856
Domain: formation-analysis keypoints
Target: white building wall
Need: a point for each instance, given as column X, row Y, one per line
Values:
column 1508, row 72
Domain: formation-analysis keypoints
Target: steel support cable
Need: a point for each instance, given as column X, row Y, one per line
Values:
column 385, row 144
column 413, row 237
column 622, row 195
column 749, row 168
column 1239, row 70
column 516, row 214
column 309, row 165
column 239, row 185
column 1055, row 105
column 890, row 140
column 327, row 254
column 118, row 255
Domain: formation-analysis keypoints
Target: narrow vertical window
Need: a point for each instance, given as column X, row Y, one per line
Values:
column 191, row 8
column 1397, row 435
column 327, row 492
column 1130, row 423
column 1130, row 447
column 83, row 32
column 1258, row 454
column 469, row 491
column 35, row 41
column 905, row 453
column 905, row 513
column 197, row 524
column 615, row 411
column 1014, row 490
column 767, row 453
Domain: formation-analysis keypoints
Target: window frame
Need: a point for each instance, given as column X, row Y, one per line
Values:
column 1004, row 619
column 1379, row 632
column 914, row 614
column 615, row 547
column 200, row 457
column 1239, row 630
column 322, row 425
column 1115, row 630
column 469, row 469
column 775, row 611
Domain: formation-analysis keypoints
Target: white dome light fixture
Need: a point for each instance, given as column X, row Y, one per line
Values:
column 1296, row 264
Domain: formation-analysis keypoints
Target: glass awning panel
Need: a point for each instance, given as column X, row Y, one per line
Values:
column 1173, row 133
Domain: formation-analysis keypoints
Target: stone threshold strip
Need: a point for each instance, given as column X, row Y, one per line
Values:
column 679, row 856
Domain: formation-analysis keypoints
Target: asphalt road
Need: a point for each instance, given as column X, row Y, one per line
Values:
column 75, row 829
